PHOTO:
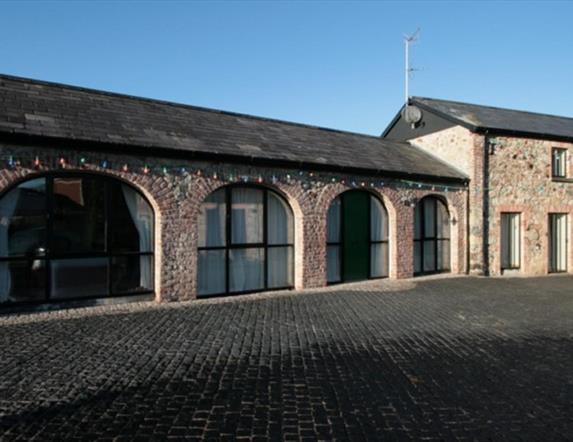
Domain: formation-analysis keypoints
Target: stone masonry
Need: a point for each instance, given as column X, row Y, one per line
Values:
column 176, row 199
column 507, row 174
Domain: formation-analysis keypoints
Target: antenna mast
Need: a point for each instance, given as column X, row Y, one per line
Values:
column 408, row 38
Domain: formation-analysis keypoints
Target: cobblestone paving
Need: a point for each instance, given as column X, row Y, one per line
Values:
column 454, row 358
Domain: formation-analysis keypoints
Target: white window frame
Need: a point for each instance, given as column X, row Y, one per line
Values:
column 510, row 239
column 559, row 160
column 558, row 242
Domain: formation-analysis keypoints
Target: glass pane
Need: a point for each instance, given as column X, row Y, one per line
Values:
column 79, row 215
column 418, row 222
column 247, row 271
column 558, row 242
column 131, row 274
column 444, row 255
column 417, row 257
column 559, row 162
column 333, row 263
column 429, row 217
column 429, row 256
column 280, row 267
column 378, row 220
column 130, row 220
column 333, row 222
column 505, row 242
column 23, row 220
column 443, row 220
column 212, row 272
column 515, row 241
column 378, row 260
column 78, row 278
column 212, row 220
column 510, row 241
column 22, row 281
column 247, row 216
column 279, row 219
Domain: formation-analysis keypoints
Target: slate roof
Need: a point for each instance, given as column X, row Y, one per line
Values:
column 35, row 108
column 493, row 119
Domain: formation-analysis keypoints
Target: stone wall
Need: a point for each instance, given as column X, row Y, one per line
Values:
column 507, row 175
column 520, row 181
column 176, row 198
column 463, row 149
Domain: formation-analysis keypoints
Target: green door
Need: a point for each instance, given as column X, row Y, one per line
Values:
column 355, row 235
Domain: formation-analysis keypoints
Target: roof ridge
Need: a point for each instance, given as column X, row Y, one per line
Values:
column 175, row 104
column 414, row 98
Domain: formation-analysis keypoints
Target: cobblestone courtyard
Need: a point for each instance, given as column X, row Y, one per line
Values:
column 464, row 358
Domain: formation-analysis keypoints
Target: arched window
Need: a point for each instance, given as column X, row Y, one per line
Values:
column 69, row 236
column 246, row 236
column 431, row 237
column 357, row 238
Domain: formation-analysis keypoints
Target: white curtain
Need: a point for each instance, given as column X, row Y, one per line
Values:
column 142, row 217
column 379, row 260
column 212, row 220
column 378, row 232
column 279, row 231
column 333, row 222
column 8, row 205
column 247, row 216
column 510, row 241
column 443, row 220
column 430, row 255
column 279, row 221
column 378, row 221
column 429, row 217
column 211, row 272
column 280, row 267
column 246, row 272
column 333, row 263
column 558, row 242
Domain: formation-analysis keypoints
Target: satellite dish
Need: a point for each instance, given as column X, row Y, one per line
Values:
column 412, row 115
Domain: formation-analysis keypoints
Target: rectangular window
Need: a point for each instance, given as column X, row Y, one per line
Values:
column 557, row 242
column 559, row 163
column 510, row 241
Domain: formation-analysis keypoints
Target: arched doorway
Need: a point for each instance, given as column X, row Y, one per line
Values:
column 357, row 238
column 71, row 236
column 246, row 242
column 431, row 237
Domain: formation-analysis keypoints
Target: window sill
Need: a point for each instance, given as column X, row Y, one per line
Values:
column 558, row 179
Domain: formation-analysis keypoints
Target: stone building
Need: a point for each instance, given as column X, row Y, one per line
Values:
column 107, row 197
column 521, row 181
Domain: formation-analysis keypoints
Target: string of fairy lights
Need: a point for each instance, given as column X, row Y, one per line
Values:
column 222, row 173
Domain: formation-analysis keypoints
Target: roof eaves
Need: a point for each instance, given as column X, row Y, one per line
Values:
column 522, row 134
column 393, row 122
column 445, row 115
column 159, row 151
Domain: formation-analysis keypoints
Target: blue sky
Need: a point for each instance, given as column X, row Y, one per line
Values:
column 335, row 64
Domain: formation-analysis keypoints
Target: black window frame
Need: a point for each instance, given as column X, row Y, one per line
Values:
column 107, row 253
column 436, row 239
column 229, row 245
column 340, row 243
column 554, row 153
